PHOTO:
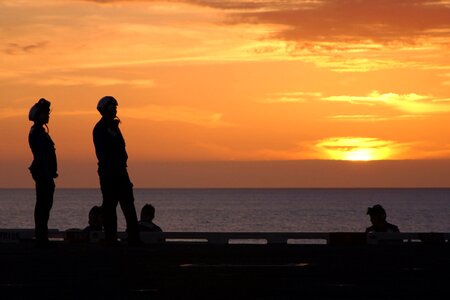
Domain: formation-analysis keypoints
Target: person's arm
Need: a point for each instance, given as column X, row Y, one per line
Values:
column 100, row 145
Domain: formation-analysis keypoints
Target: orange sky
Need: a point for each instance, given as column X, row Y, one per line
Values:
column 231, row 81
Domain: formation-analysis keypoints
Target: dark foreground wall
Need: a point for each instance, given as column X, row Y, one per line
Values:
column 202, row 271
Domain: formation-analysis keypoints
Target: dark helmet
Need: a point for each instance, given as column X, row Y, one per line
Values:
column 104, row 102
column 42, row 105
column 376, row 210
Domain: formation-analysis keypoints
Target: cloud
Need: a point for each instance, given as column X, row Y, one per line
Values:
column 9, row 112
column 12, row 112
column 231, row 4
column 414, row 105
column 156, row 113
column 15, row 49
column 355, row 20
column 360, row 148
column 335, row 20
column 177, row 114
column 373, row 118
column 347, row 35
column 72, row 80
column 293, row 97
column 340, row 35
column 360, row 35
column 410, row 103
column 77, row 113
column 361, row 118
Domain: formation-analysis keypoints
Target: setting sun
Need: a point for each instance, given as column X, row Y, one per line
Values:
column 356, row 148
column 360, row 154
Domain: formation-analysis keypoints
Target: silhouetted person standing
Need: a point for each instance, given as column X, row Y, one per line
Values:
column 378, row 218
column 43, row 168
column 112, row 169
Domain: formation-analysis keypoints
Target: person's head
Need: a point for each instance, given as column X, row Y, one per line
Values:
column 377, row 214
column 147, row 213
column 107, row 106
column 95, row 216
column 40, row 112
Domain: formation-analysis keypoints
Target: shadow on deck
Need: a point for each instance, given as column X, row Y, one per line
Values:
column 343, row 268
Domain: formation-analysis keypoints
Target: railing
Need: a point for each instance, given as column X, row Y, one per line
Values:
column 332, row 238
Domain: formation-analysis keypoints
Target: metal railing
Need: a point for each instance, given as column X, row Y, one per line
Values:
column 332, row 238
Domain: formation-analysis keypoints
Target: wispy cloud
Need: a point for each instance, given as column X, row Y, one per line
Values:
column 14, row 48
column 292, row 97
column 340, row 35
column 8, row 112
column 346, row 20
column 360, row 36
column 232, row 4
column 360, row 148
column 90, row 81
column 411, row 103
column 374, row 118
column 177, row 114
column 12, row 112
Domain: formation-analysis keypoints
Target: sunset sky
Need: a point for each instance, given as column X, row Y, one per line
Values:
column 256, row 93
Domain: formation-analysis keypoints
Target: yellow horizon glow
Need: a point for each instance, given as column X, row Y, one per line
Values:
column 357, row 148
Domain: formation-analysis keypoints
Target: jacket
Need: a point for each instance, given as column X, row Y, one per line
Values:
column 44, row 165
column 110, row 148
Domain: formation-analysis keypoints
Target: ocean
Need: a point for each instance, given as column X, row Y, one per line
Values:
column 246, row 210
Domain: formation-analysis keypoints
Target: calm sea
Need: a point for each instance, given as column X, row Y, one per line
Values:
column 284, row 210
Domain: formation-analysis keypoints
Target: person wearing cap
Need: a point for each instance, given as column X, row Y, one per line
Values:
column 378, row 218
column 43, row 168
column 115, row 183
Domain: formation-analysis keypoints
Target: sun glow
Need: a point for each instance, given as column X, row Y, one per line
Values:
column 360, row 155
column 356, row 149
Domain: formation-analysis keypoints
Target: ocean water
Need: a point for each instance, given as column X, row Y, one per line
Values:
column 251, row 210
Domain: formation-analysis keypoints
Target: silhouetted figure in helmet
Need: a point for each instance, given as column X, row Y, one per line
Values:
column 378, row 218
column 112, row 169
column 43, row 168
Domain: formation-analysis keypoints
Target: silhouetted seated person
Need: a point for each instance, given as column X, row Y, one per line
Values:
column 95, row 220
column 378, row 218
column 146, row 223
column 379, row 224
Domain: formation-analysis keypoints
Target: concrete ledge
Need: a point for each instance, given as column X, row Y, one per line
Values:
column 331, row 238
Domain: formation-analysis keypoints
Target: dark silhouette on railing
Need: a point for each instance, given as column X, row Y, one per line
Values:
column 43, row 168
column 146, row 221
column 112, row 169
column 378, row 218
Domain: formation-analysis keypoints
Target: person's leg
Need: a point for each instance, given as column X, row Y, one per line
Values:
column 45, row 190
column 126, row 201
column 109, row 204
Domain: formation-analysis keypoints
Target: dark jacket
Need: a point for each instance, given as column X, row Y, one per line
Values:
column 110, row 148
column 44, row 165
column 386, row 227
column 149, row 227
